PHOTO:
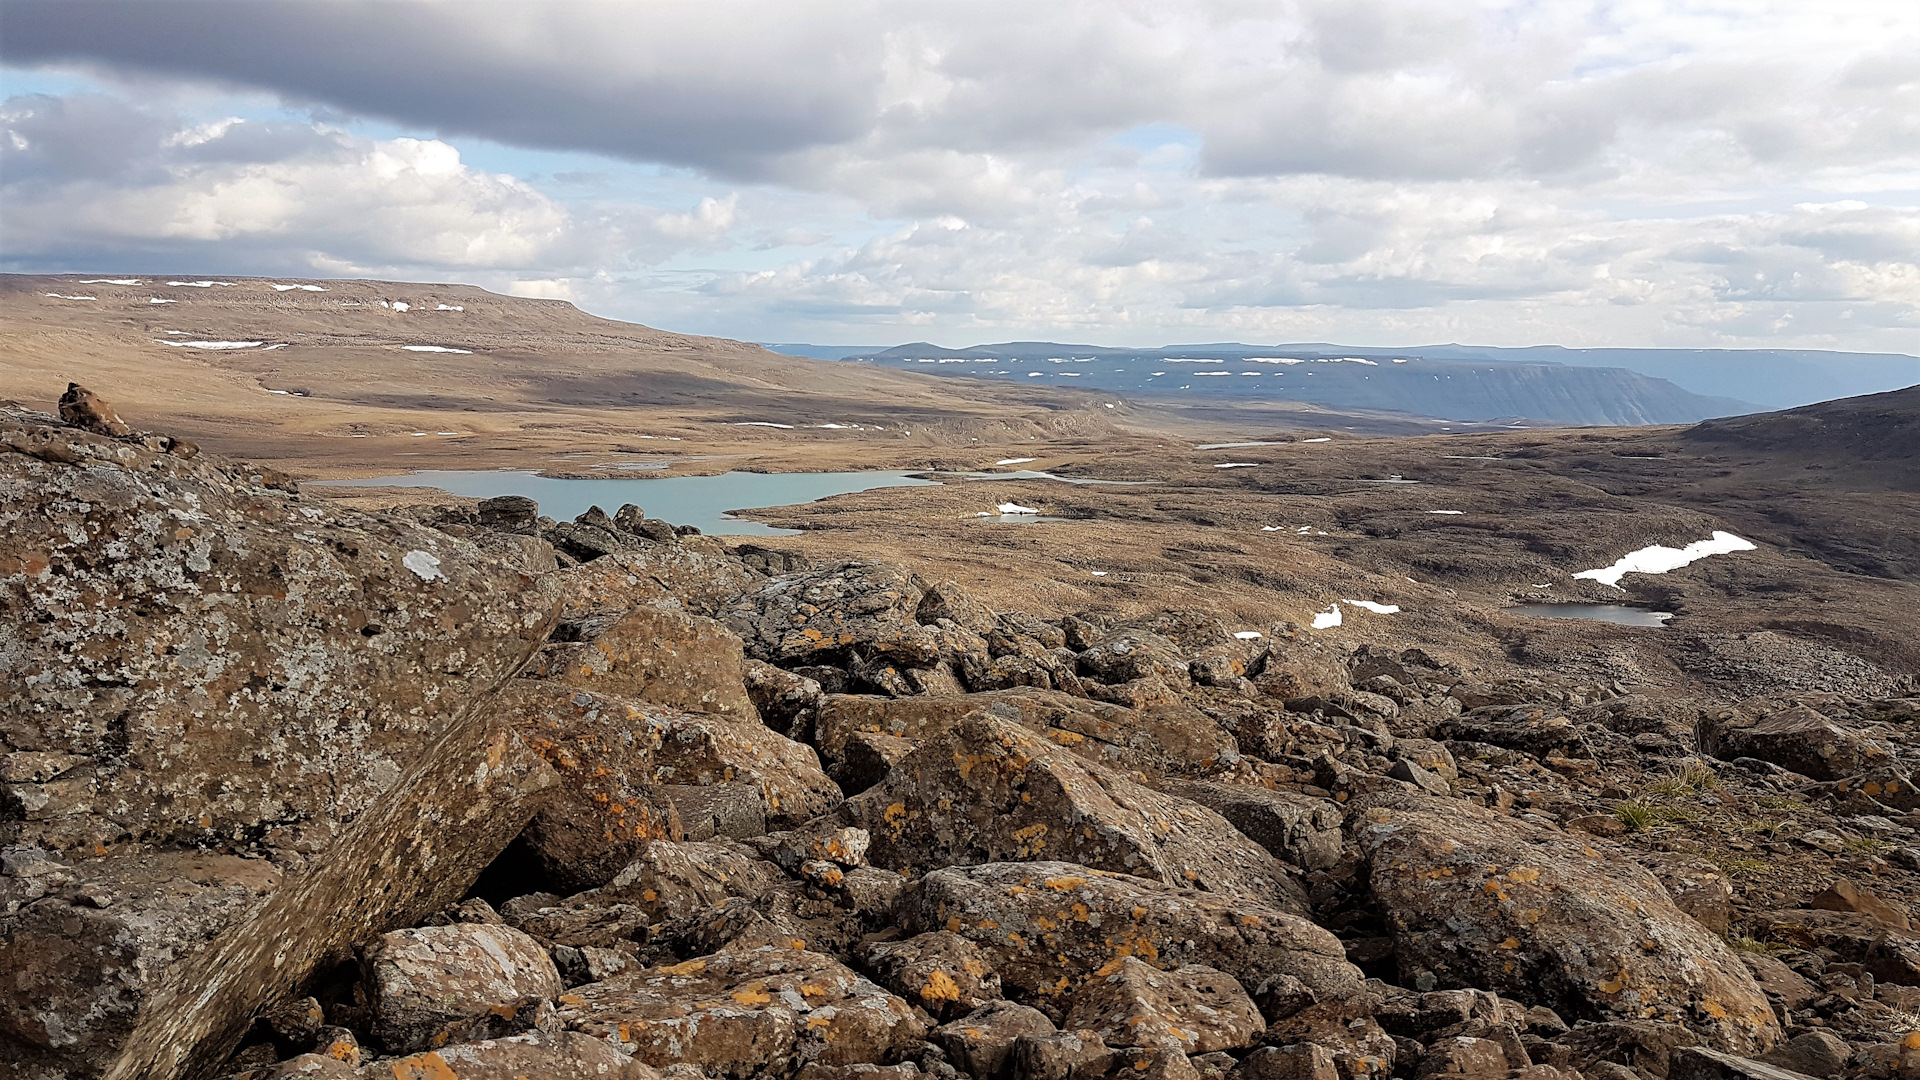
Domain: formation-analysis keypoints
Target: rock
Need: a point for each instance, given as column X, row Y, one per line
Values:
column 446, row 984
column 1471, row 1059
column 943, row 973
column 1295, row 665
column 1127, row 654
column 992, row 791
column 1429, row 782
column 610, row 805
column 166, row 973
column 948, row 600
column 1816, row 1053
column 668, row 880
column 1161, row 739
column 824, row 616
column 1700, row 1063
column 1642, row 1047
column 659, row 657
column 1192, row 1009
column 1062, row 1055
column 1890, row 954
column 1296, row 829
column 1300, row 1061
column 816, row 1071
column 865, row 760
column 1049, row 927
column 1784, row 987
column 981, row 1043
column 1477, row 899
column 561, row 1055
column 720, row 810
column 83, row 408
column 1798, row 739
column 618, row 756
column 762, row 1011
column 229, row 631
column 1844, row 895
column 511, row 514
column 1697, row 888
column 786, row 702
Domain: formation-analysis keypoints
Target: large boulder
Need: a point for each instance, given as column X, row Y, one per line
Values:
column 1797, row 739
column 621, row 757
column 1171, row 738
column 1478, row 899
column 657, row 656
column 564, row 1055
column 1193, row 1008
column 195, row 660
column 828, row 615
column 992, row 791
column 1050, row 927
column 762, row 1012
column 1298, row 829
column 435, row 985
column 215, row 661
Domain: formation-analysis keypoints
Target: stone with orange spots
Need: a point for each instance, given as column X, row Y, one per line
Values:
column 1050, row 927
column 1192, row 1008
column 435, row 985
column 745, row 1013
column 826, row 615
column 941, row 972
column 657, row 656
column 990, row 790
column 561, row 1055
column 981, row 1043
column 1476, row 899
column 670, row 879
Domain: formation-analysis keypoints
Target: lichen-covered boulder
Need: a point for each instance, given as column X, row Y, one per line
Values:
column 746, row 1012
column 823, row 616
column 656, row 656
column 435, row 985
column 1049, row 927
column 215, row 660
column 992, row 791
column 1481, row 900
column 563, row 1055
column 1192, row 1008
column 943, row 973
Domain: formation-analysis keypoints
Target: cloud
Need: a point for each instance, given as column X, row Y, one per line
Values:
column 92, row 174
column 1503, row 170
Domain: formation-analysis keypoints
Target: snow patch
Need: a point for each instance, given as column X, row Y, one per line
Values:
column 436, row 348
column 110, row 281
column 289, row 288
column 1446, row 511
column 1099, row 573
column 1237, row 465
column 211, row 344
column 1328, row 618
column 57, row 296
column 1323, row 438
column 762, row 423
column 1248, row 635
column 198, row 284
column 1015, row 508
column 1013, row 461
column 448, row 307
column 401, row 305
column 1658, row 559
column 1376, row 608
column 157, row 300
column 424, row 564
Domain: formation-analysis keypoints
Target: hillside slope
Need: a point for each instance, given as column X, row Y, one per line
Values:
column 1449, row 390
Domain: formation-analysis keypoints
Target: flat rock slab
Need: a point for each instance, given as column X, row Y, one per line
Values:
column 436, row 985
column 1193, row 1008
column 758, row 1012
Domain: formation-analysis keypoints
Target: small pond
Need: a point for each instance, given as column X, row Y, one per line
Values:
column 1619, row 614
column 702, row 501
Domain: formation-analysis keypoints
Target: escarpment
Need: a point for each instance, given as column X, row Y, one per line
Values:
column 290, row 790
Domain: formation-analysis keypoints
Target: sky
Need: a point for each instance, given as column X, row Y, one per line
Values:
column 1673, row 173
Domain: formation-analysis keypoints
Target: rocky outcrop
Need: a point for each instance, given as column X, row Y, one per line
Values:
column 1475, row 899
column 991, row 791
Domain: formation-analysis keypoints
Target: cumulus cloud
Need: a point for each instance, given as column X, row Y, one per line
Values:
column 96, row 174
column 1585, row 170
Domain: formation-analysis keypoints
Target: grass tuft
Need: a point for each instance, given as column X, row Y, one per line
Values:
column 1637, row 816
